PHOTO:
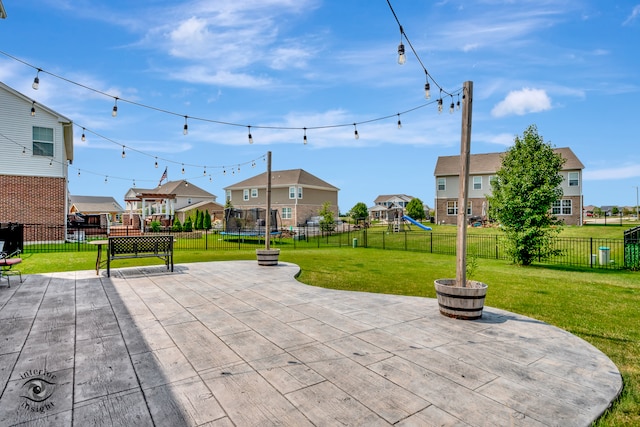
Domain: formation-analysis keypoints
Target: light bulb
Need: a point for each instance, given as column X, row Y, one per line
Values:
column 83, row 137
column 451, row 107
column 123, row 153
column 114, row 112
column 156, row 164
column 402, row 58
column 183, row 168
column 36, row 81
column 399, row 122
column 427, row 90
column 250, row 137
column 33, row 108
column 355, row 132
column 304, row 138
column 439, row 105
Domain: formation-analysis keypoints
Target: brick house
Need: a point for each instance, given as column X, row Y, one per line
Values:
column 37, row 147
column 296, row 194
column 482, row 168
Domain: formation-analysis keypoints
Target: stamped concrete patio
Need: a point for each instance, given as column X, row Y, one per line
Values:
column 236, row 344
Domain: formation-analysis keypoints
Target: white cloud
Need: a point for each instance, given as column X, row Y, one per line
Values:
column 634, row 14
column 522, row 102
column 627, row 171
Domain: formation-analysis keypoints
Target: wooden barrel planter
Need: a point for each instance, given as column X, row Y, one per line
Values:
column 458, row 302
column 267, row 256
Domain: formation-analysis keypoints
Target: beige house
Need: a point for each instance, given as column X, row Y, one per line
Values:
column 387, row 206
column 482, row 169
column 296, row 194
column 89, row 205
column 37, row 147
column 168, row 201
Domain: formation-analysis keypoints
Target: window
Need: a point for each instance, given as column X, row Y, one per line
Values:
column 245, row 194
column 299, row 192
column 254, row 193
column 452, row 207
column 574, row 179
column 42, row 141
column 477, row 183
column 442, row 184
column 292, row 192
column 286, row 213
column 228, row 195
column 562, row 207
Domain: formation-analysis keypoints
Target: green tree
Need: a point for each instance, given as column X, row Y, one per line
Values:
column 206, row 223
column 359, row 212
column 188, row 225
column 524, row 190
column 415, row 209
column 327, row 223
column 199, row 220
column 177, row 225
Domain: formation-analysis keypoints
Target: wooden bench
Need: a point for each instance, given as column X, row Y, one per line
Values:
column 124, row 247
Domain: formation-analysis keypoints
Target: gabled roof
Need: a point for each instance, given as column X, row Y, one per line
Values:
column 180, row 188
column 201, row 205
column 482, row 164
column 67, row 124
column 284, row 178
column 95, row 204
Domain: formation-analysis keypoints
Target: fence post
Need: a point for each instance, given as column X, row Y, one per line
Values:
column 431, row 242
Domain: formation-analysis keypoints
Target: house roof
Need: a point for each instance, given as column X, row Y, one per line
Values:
column 67, row 124
column 181, row 188
column 199, row 205
column 284, row 178
column 95, row 204
column 480, row 164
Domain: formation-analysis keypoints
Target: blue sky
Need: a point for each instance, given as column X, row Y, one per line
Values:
column 568, row 67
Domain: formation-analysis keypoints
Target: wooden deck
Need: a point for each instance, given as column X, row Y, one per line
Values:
column 236, row 344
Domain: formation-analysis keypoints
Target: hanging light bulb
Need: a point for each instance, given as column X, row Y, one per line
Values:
column 123, row 153
column 36, row 81
column 51, row 162
column 399, row 122
column 33, row 108
column 183, row 169
column 452, row 106
column 224, row 171
column 355, row 132
column 458, row 103
column 156, row 164
column 205, row 171
column 24, row 150
column 210, row 179
column 250, row 137
column 427, row 90
column 304, row 138
column 106, row 178
column 83, row 137
column 439, row 105
column 402, row 58
column 185, row 129
column 134, row 183
column 114, row 112
column 78, row 173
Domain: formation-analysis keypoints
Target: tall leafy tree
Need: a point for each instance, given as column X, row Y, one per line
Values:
column 359, row 212
column 524, row 190
column 415, row 209
column 327, row 223
column 206, row 223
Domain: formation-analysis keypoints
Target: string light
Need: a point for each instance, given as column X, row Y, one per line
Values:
column 355, row 132
column 156, row 163
column 185, row 129
column 83, row 137
column 427, row 88
column 106, row 178
column 183, row 169
column 78, row 173
column 114, row 112
column 402, row 58
column 205, row 171
column 51, row 162
column 33, row 108
column 24, row 150
column 452, row 106
column 440, row 102
column 399, row 122
column 36, row 81
column 458, row 103
column 123, row 153
column 304, row 138
column 250, row 137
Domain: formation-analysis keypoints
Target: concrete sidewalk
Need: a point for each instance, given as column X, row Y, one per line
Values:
column 236, row 344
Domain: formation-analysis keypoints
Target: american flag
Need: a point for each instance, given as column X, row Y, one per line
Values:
column 163, row 177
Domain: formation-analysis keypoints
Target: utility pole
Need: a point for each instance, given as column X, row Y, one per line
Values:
column 267, row 221
column 463, row 186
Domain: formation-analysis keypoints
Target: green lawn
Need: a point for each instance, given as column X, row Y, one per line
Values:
column 600, row 306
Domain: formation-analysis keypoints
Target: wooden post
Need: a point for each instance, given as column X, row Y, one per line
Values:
column 463, row 188
column 267, row 223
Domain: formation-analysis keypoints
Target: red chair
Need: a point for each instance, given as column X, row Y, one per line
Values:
column 7, row 261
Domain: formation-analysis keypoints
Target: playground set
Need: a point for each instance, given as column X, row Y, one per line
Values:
column 401, row 221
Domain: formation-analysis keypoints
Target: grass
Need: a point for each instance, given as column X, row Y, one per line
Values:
column 600, row 306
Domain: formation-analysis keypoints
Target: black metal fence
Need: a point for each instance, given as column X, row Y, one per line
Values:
column 579, row 252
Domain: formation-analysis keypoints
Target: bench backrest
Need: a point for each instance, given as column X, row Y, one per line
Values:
column 140, row 244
